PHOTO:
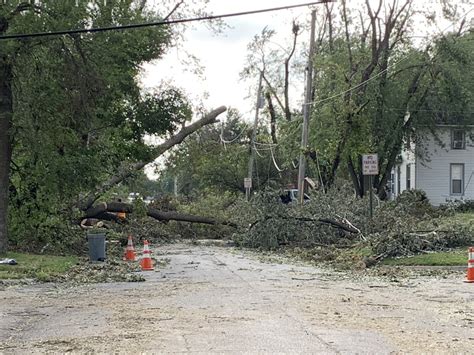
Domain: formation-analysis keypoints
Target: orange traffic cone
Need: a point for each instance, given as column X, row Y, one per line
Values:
column 146, row 263
column 130, row 251
column 470, row 266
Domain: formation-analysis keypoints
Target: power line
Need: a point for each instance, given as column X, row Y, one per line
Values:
column 157, row 23
column 358, row 85
column 232, row 140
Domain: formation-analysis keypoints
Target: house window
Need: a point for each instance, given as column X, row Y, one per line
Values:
column 399, row 172
column 392, row 184
column 408, row 177
column 458, row 139
column 457, row 179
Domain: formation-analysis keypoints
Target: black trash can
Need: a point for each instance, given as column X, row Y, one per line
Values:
column 96, row 242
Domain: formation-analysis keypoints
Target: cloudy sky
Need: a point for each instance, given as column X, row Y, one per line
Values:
column 223, row 56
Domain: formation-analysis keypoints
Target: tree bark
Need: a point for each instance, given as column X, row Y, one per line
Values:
column 6, row 109
column 331, row 222
column 397, row 142
column 106, row 211
column 358, row 185
column 287, row 72
column 126, row 171
column 176, row 216
column 273, row 119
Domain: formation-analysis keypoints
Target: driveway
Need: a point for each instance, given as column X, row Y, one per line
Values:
column 223, row 300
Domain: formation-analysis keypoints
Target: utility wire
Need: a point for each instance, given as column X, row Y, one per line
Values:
column 274, row 161
column 358, row 85
column 235, row 138
column 157, row 23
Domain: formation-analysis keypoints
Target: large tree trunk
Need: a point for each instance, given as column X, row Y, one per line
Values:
column 5, row 147
column 273, row 119
column 105, row 210
column 126, row 171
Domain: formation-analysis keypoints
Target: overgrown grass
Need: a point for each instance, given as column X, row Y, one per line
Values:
column 459, row 219
column 463, row 218
column 40, row 267
column 456, row 257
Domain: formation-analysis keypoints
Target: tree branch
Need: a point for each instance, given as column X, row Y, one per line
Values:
column 173, row 10
column 330, row 222
column 128, row 170
column 107, row 211
column 273, row 91
column 348, row 39
column 287, row 72
column 271, row 111
column 23, row 6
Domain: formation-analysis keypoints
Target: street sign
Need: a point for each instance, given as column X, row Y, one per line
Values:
column 370, row 164
column 248, row 183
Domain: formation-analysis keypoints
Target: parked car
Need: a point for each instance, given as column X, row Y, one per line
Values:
column 291, row 196
column 132, row 196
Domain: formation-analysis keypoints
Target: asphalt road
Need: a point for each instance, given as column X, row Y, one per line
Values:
column 221, row 300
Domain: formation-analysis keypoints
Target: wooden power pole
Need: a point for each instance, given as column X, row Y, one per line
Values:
column 252, row 142
column 306, row 111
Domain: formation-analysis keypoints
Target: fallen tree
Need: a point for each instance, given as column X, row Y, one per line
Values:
column 331, row 222
column 108, row 211
column 86, row 201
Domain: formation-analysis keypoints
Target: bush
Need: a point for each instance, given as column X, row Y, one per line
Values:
column 267, row 223
column 404, row 226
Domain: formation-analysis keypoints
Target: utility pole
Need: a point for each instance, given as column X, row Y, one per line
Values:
column 175, row 186
column 306, row 111
column 248, row 183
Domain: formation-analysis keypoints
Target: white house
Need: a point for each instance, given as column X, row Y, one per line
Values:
column 442, row 166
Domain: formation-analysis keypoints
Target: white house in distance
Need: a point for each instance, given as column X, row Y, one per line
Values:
column 444, row 169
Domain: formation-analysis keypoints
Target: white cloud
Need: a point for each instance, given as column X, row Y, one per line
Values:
column 223, row 56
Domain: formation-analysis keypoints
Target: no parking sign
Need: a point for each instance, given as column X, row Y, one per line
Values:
column 370, row 164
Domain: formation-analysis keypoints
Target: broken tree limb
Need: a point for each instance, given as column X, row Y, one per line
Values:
column 90, row 223
column 107, row 211
column 95, row 210
column 116, row 206
column 337, row 224
column 330, row 222
column 127, row 170
column 175, row 216
column 113, row 206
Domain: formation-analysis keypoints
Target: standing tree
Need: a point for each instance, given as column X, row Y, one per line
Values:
column 369, row 72
column 72, row 118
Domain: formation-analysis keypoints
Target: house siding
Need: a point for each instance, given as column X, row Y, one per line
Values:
column 399, row 174
column 433, row 172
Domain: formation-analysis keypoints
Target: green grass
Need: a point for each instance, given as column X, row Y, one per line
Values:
column 465, row 219
column 40, row 267
column 460, row 219
column 456, row 257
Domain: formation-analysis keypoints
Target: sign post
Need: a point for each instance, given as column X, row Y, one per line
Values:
column 370, row 167
column 248, row 186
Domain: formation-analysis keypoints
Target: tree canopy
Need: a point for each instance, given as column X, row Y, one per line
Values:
column 71, row 110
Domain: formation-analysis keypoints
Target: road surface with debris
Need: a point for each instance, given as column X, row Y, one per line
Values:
column 211, row 299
